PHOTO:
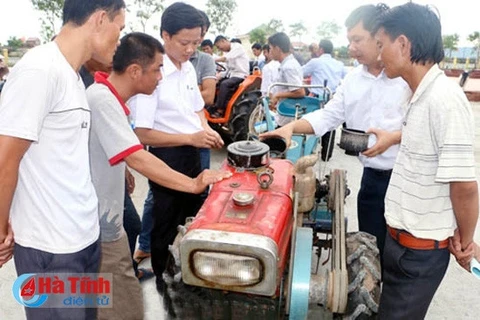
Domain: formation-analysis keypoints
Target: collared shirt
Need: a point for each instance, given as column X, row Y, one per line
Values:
column 437, row 148
column 269, row 75
column 173, row 106
column 324, row 68
column 290, row 71
column 365, row 101
column 238, row 64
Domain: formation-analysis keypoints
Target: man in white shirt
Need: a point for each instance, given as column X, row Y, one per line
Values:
column 259, row 60
column 237, row 67
column 172, row 123
column 366, row 100
column 269, row 71
column 290, row 71
column 45, row 184
column 433, row 193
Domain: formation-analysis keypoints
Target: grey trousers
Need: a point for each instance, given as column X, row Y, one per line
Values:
column 410, row 279
column 29, row 260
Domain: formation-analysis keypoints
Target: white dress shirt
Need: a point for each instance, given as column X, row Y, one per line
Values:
column 173, row 106
column 238, row 64
column 365, row 101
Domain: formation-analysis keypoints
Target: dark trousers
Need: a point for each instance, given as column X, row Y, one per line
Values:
column 29, row 260
column 132, row 225
column 410, row 279
column 371, row 204
column 226, row 90
column 170, row 207
column 326, row 150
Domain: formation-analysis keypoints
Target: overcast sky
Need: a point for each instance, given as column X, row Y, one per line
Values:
column 459, row 16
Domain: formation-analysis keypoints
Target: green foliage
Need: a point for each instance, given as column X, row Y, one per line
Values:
column 145, row 9
column 450, row 43
column 298, row 29
column 14, row 43
column 52, row 11
column 475, row 39
column 258, row 35
column 328, row 30
column 220, row 13
column 274, row 26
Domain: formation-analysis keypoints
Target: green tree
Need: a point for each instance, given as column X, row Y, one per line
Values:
column 475, row 39
column 14, row 43
column 450, row 43
column 259, row 34
column 220, row 13
column 52, row 11
column 298, row 29
column 328, row 29
column 274, row 26
column 145, row 9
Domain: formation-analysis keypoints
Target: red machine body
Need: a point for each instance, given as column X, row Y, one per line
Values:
column 268, row 216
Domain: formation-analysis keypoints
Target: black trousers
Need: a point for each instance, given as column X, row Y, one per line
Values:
column 132, row 225
column 325, row 143
column 371, row 204
column 410, row 280
column 170, row 207
column 226, row 90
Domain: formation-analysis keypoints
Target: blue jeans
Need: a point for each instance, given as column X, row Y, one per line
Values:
column 147, row 223
column 204, row 164
column 132, row 225
column 30, row 260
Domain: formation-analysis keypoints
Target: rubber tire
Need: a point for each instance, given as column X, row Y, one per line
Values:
column 364, row 274
column 239, row 123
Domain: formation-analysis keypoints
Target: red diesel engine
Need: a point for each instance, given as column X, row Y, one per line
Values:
column 240, row 238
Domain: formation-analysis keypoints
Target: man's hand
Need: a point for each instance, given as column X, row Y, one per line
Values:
column 385, row 139
column 130, row 181
column 272, row 103
column 206, row 139
column 285, row 132
column 6, row 246
column 463, row 256
column 208, row 177
column 218, row 141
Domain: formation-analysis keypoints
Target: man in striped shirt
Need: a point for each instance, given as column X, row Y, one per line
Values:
column 433, row 192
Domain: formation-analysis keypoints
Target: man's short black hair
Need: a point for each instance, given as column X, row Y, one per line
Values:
column 78, row 11
column 207, row 43
column 266, row 47
column 180, row 16
column 420, row 25
column 366, row 14
column 136, row 47
column 236, row 40
column 257, row 46
column 206, row 21
column 326, row 45
column 281, row 40
column 219, row 38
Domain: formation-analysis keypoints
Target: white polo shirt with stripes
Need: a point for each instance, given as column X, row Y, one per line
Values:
column 437, row 148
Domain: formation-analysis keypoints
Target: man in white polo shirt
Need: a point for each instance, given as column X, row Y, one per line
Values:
column 172, row 123
column 236, row 58
column 45, row 183
column 366, row 100
column 433, row 193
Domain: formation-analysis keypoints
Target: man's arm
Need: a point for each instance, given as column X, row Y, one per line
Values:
column 207, row 89
column 159, row 172
column 301, row 126
column 298, row 93
column 11, row 152
column 464, row 197
column 155, row 138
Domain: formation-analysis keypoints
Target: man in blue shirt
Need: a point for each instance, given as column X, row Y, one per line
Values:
column 324, row 68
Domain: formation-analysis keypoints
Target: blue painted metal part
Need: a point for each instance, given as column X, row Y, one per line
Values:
column 301, row 274
column 287, row 107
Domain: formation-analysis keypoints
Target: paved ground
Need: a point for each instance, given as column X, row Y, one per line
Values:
column 457, row 297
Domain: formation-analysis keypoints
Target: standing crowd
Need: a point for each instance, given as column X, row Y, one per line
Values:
column 65, row 150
